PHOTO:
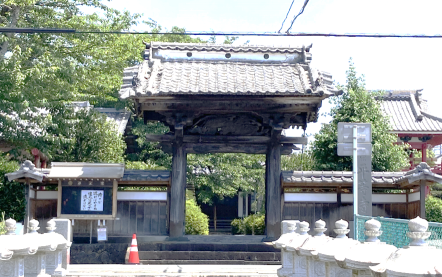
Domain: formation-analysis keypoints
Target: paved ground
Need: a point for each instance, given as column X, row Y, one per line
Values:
column 173, row 270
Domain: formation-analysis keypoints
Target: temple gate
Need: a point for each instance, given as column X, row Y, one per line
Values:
column 226, row 99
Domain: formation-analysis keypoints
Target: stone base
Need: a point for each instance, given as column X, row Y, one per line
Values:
column 284, row 271
column 177, row 239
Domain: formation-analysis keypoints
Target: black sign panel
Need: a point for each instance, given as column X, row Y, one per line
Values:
column 87, row 200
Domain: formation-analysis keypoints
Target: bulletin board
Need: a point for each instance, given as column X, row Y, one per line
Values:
column 93, row 199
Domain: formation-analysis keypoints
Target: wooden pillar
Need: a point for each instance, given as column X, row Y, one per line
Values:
column 273, row 187
column 28, row 205
column 178, row 188
column 422, row 198
column 407, row 206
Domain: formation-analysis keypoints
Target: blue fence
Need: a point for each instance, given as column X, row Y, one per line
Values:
column 394, row 231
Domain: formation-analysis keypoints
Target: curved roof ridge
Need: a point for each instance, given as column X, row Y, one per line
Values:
column 231, row 47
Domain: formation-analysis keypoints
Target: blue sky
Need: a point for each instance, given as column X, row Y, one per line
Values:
column 392, row 63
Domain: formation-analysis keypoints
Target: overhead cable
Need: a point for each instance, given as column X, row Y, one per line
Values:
column 300, row 12
column 203, row 33
column 282, row 25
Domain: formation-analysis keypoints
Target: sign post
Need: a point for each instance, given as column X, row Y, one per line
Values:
column 354, row 139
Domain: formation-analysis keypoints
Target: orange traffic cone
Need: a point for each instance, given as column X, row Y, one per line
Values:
column 133, row 254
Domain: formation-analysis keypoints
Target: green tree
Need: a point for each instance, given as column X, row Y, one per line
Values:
column 297, row 162
column 12, row 199
column 83, row 136
column 359, row 106
column 433, row 209
column 216, row 176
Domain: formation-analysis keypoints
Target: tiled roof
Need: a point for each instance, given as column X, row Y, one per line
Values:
column 227, row 47
column 120, row 117
column 407, row 112
column 146, row 175
column 170, row 69
column 337, row 177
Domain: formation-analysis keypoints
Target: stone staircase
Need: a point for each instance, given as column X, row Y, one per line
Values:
column 232, row 250
column 172, row 270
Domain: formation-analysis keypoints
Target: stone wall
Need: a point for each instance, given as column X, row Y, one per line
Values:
column 109, row 253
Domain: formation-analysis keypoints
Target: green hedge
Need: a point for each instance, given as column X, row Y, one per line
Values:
column 433, row 208
column 251, row 225
column 2, row 224
column 197, row 223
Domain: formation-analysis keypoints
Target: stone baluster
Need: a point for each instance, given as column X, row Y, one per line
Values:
column 35, row 265
column 417, row 259
column 64, row 228
column 315, row 268
column 299, row 262
column 371, row 252
column 10, row 267
column 10, row 225
column 326, row 253
column 288, row 228
column 54, row 258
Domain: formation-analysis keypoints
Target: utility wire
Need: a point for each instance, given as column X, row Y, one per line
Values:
column 282, row 25
column 300, row 12
column 199, row 33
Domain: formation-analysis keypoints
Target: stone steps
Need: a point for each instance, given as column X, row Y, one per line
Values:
column 207, row 253
column 172, row 270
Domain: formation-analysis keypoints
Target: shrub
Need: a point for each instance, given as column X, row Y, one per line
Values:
column 433, row 208
column 251, row 225
column 2, row 224
column 237, row 226
column 255, row 224
column 197, row 223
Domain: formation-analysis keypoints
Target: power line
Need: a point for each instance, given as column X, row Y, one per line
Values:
column 300, row 12
column 282, row 25
column 203, row 33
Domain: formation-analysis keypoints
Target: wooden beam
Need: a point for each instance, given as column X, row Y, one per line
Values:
column 228, row 148
column 226, row 139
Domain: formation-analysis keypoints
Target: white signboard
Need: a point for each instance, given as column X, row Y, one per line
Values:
column 101, row 234
column 92, row 200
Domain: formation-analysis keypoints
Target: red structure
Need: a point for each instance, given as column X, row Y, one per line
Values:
column 412, row 123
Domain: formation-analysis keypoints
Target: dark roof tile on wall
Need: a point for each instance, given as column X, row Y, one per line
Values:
column 145, row 175
column 337, row 177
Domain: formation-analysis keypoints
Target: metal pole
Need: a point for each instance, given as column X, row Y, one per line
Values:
column 355, row 179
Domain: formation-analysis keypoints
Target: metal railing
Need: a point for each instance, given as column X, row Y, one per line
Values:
column 394, row 231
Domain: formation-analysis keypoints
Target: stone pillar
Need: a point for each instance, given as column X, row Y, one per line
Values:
column 364, row 186
column 178, row 190
column 273, row 187
column 64, row 228
column 13, row 267
column 54, row 259
column 288, row 228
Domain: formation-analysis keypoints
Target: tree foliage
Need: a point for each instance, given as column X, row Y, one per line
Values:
column 359, row 106
column 41, row 73
column 197, row 223
column 433, row 209
column 216, row 176
column 12, row 200
column 83, row 136
column 297, row 162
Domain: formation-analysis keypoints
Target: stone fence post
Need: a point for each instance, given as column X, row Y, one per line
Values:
column 32, row 254
column 322, row 256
